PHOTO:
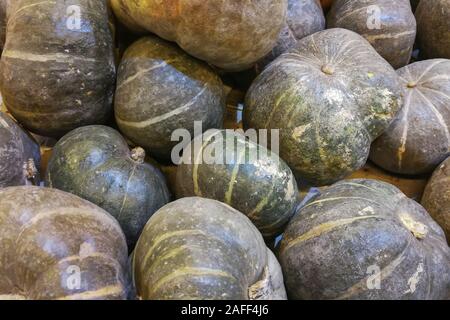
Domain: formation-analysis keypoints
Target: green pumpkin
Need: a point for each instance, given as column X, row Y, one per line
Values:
column 364, row 239
column 95, row 163
column 54, row 245
column 255, row 181
column 330, row 97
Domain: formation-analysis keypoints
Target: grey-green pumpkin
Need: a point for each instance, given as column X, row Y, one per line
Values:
column 243, row 174
column 20, row 156
column 364, row 239
column 160, row 89
column 330, row 97
column 54, row 245
column 58, row 74
column 202, row 249
column 419, row 138
column 388, row 25
column 95, row 163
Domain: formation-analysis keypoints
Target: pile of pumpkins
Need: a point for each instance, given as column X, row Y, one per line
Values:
column 107, row 83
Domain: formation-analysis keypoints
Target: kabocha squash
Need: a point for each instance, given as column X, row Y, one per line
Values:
column 419, row 139
column 96, row 164
column 160, row 89
column 19, row 155
column 304, row 18
column 197, row 248
column 436, row 198
column 55, row 245
column 433, row 25
column 330, row 97
column 388, row 25
column 246, row 176
column 57, row 67
column 231, row 35
column 364, row 239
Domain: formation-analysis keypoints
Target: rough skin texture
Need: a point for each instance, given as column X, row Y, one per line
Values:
column 55, row 78
column 436, row 198
column 364, row 239
column 419, row 139
column 96, row 164
column 330, row 96
column 231, row 35
column 160, row 89
column 19, row 155
column 198, row 249
column 433, row 25
column 393, row 39
column 48, row 236
column 262, row 187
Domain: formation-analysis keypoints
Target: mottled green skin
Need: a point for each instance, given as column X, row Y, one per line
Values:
column 16, row 149
column 45, row 234
column 393, row 40
column 198, row 249
column 433, row 25
column 330, row 96
column 262, row 187
column 95, row 163
column 54, row 79
column 332, row 247
column 160, row 89
column 419, row 138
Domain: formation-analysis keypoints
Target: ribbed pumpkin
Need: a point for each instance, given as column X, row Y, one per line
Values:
column 96, row 164
column 419, row 139
column 57, row 75
column 19, row 155
column 55, row 245
column 246, row 176
column 197, row 249
column 436, row 198
column 330, row 97
column 304, row 18
column 433, row 25
column 364, row 239
column 231, row 35
column 160, row 89
column 388, row 25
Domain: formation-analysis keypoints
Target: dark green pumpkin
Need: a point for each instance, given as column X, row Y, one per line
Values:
column 364, row 239
column 254, row 181
column 54, row 245
column 330, row 96
column 198, row 249
column 393, row 38
column 96, row 164
column 419, row 138
column 160, row 89
column 19, row 155
column 54, row 76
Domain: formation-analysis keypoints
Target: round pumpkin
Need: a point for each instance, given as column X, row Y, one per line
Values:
column 58, row 72
column 330, row 97
column 419, row 139
column 436, row 197
column 433, row 25
column 388, row 25
column 19, row 155
column 160, row 89
column 245, row 175
column 197, row 249
column 304, row 18
column 364, row 239
column 95, row 163
column 55, row 245
column 231, row 35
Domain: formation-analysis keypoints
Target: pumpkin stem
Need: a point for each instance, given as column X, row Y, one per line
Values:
column 419, row 230
column 411, row 84
column 263, row 288
column 138, row 155
column 30, row 169
column 327, row 69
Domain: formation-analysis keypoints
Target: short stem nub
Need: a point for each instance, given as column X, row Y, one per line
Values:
column 327, row 69
column 412, row 84
column 138, row 155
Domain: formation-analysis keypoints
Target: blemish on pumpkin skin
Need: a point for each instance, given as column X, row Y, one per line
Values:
column 414, row 280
